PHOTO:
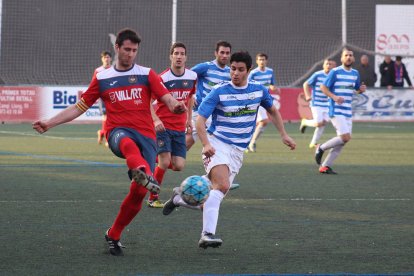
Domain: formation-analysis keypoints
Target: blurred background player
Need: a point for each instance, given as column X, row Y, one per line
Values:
column 106, row 59
column 319, row 102
column 339, row 86
column 209, row 74
column 223, row 151
column 171, row 128
column 127, row 89
column 266, row 77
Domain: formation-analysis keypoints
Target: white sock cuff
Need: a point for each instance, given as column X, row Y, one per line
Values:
column 217, row 194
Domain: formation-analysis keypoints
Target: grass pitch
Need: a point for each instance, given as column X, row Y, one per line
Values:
column 60, row 191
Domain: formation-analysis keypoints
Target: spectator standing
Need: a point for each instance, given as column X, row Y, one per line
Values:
column 387, row 73
column 366, row 72
column 401, row 73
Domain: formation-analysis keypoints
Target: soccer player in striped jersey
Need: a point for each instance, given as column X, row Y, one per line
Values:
column 126, row 89
column 265, row 76
column 319, row 102
column 171, row 128
column 209, row 74
column 233, row 106
column 340, row 86
column 106, row 59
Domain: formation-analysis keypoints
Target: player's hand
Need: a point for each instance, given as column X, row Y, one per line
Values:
column 288, row 141
column 40, row 126
column 339, row 100
column 208, row 151
column 189, row 128
column 308, row 99
column 159, row 126
column 362, row 88
column 179, row 108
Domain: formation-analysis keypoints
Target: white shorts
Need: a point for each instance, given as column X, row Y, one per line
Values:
column 262, row 113
column 226, row 154
column 320, row 114
column 342, row 124
column 193, row 120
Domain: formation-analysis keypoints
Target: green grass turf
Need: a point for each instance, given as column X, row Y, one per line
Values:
column 60, row 192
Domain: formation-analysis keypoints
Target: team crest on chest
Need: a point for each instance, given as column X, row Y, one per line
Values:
column 251, row 96
column 132, row 79
column 185, row 83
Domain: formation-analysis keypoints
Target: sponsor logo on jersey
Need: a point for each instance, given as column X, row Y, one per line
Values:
column 180, row 95
column 125, row 95
column 241, row 111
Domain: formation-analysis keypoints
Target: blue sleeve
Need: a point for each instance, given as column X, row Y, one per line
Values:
column 312, row 80
column 267, row 99
column 357, row 81
column 330, row 80
column 209, row 103
column 273, row 80
column 200, row 69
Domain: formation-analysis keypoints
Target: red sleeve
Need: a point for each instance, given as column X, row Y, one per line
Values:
column 92, row 93
column 156, row 85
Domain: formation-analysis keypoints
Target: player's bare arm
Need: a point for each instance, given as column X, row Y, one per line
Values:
column 306, row 90
column 173, row 105
column 327, row 92
column 208, row 150
column 189, row 123
column 158, row 124
column 67, row 115
column 277, row 120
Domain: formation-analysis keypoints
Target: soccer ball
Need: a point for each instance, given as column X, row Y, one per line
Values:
column 195, row 190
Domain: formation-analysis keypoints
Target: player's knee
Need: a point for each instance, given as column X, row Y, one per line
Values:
column 164, row 163
column 346, row 138
column 177, row 167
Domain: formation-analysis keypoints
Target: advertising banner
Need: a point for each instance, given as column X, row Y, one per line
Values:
column 394, row 35
column 384, row 105
column 55, row 99
column 19, row 103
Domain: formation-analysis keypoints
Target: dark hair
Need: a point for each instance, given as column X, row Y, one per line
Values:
column 398, row 58
column 242, row 56
column 222, row 43
column 177, row 45
column 106, row 53
column 127, row 34
column 262, row 55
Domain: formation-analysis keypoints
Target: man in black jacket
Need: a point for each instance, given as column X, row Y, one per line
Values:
column 387, row 73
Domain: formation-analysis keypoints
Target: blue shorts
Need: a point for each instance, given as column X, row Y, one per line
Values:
column 172, row 141
column 146, row 145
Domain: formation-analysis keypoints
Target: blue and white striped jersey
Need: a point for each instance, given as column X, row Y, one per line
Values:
column 265, row 77
column 234, row 111
column 342, row 83
column 315, row 81
column 209, row 74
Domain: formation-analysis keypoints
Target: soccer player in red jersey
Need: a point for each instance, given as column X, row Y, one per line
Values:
column 126, row 89
column 106, row 59
column 171, row 128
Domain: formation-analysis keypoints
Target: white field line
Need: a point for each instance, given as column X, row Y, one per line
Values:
column 230, row 200
column 46, row 136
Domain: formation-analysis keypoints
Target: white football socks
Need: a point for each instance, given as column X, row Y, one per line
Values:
column 211, row 211
column 333, row 154
column 336, row 141
column 317, row 134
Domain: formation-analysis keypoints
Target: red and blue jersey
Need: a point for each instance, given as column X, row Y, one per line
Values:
column 127, row 96
column 182, row 88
